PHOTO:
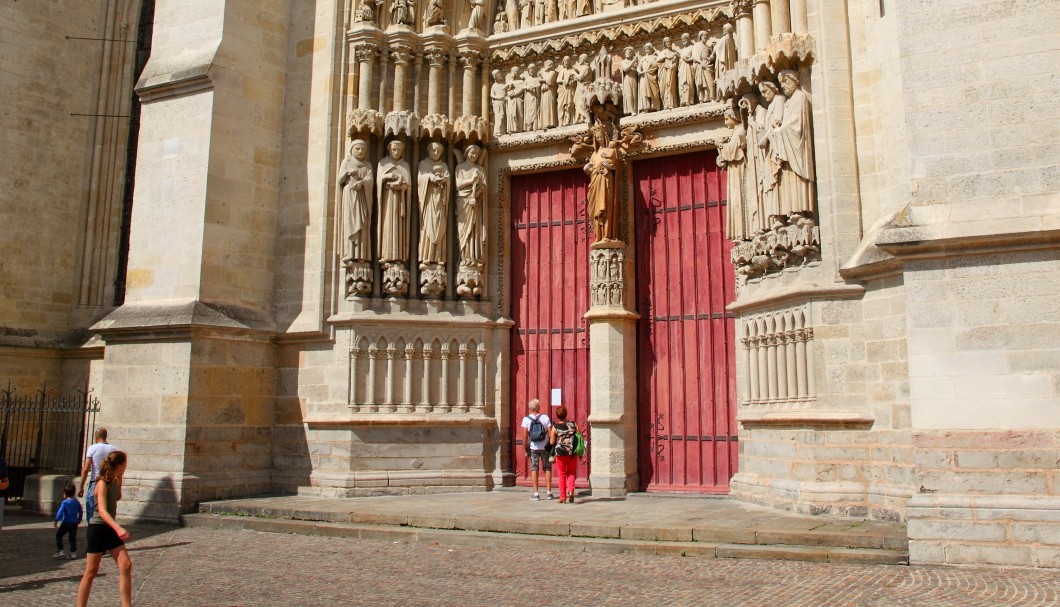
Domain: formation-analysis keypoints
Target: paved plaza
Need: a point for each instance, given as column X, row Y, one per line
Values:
column 227, row 568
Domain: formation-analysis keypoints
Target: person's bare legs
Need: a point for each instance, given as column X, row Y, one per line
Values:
column 121, row 558
column 91, row 569
column 533, row 479
column 548, row 479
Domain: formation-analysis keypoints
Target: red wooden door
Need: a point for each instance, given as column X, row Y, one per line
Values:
column 550, row 294
column 686, row 392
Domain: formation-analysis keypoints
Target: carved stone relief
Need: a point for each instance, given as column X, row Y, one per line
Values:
column 607, row 277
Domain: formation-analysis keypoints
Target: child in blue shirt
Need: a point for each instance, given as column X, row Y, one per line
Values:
column 67, row 519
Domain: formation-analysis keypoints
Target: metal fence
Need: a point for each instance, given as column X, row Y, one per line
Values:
column 44, row 432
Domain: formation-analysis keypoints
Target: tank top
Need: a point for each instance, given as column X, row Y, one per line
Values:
column 111, row 506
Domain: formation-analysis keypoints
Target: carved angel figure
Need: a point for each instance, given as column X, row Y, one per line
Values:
column 432, row 184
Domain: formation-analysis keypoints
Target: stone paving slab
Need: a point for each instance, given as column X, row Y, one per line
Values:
column 230, row 567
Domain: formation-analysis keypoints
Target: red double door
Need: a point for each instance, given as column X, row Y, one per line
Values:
column 685, row 338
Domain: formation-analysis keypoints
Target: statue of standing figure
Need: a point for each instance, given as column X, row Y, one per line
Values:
column 394, row 184
column 629, row 66
column 499, row 101
column 792, row 143
column 471, row 229
column 357, row 181
column 601, row 202
column 433, row 189
column 477, row 16
column 732, row 156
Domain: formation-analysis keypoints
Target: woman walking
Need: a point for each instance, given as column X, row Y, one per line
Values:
column 104, row 532
column 562, row 436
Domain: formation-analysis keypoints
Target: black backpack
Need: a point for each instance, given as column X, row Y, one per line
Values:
column 538, row 432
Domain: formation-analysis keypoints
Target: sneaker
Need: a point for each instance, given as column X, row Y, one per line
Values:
column 550, row 496
column 535, row 497
column 73, row 555
column 59, row 554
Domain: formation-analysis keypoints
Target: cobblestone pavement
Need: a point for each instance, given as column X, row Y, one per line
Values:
column 200, row 567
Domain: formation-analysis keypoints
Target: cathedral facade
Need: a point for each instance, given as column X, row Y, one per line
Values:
column 800, row 252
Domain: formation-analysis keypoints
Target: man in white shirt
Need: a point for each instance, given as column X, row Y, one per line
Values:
column 93, row 458
column 535, row 439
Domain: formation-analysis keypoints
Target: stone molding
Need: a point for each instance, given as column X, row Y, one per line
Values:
column 807, row 418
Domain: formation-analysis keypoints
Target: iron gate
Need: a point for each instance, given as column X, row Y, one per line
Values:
column 44, row 432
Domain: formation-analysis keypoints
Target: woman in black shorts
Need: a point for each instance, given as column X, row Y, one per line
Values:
column 104, row 532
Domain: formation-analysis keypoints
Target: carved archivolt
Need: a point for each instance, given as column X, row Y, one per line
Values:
column 778, row 352
column 415, row 374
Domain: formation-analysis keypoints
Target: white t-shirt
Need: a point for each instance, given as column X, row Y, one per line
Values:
column 546, row 423
column 97, row 453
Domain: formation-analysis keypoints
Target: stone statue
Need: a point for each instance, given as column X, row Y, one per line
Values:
column 401, row 12
column 366, row 12
column 498, row 100
column 791, row 142
column 357, row 181
column 513, row 87
column 703, row 68
column 724, row 53
column 754, row 118
column 732, row 156
column 551, row 10
column 567, row 79
column 770, row 176
column 539, row 12
column 433, row 13
column 582, row 8
column 648, row 84
column 394, row 183
column 432, row 186
column 601, row 202
column 686, row 78
column 470, row 196
column 526, row 13
column 584, row 74
column 667, row 74
column 477, row 16
column 531, row 98
column 511, row 11
column 629, row 66
column 547, row 110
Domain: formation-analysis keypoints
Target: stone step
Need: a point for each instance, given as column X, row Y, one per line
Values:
column 553, row 536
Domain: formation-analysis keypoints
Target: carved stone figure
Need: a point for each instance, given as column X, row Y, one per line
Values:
column 648, row 84
column 526, row 13
column 732, row 155
column 513, row 86
column 531, row 98
column 667, row 74
column 584, row 74
column 470, row 196
column 566, row 96
column 629, row 66
column 551, row 10
column 582, row 8
column 511, row 11
column 770, row 177
column 366, row 12
column 477, row 16
column 791, row 142
column 394, row 183
column 601, row 202
column 547, row 111
column 686, row 76
column 539, row 12
column 500, row 23
column 401, row 12
column 433, row 13
column 724, row 52
column 499, row 99
column 357, row 181
column 754, row 118
column 433, row 183
column 703, row 68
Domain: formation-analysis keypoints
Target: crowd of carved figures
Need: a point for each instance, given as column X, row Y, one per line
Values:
column 770, row 164
column 391, row 192
column 510, row 15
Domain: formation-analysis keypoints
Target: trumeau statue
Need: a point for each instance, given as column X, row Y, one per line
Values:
column 357, row 181
column 601, row 202
column 471, row 229
column 433, row 183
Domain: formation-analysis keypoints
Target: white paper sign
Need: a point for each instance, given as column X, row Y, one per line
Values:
column 557, row 397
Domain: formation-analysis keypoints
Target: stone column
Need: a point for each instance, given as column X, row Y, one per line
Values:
column 436, row 58
column 382, row 82
column 366, row 56
column 780, row 16
column 799, row 22
column 401, row 55
column 470, row 59
column 613, row 375
column 745, row 39
column 762, row 23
